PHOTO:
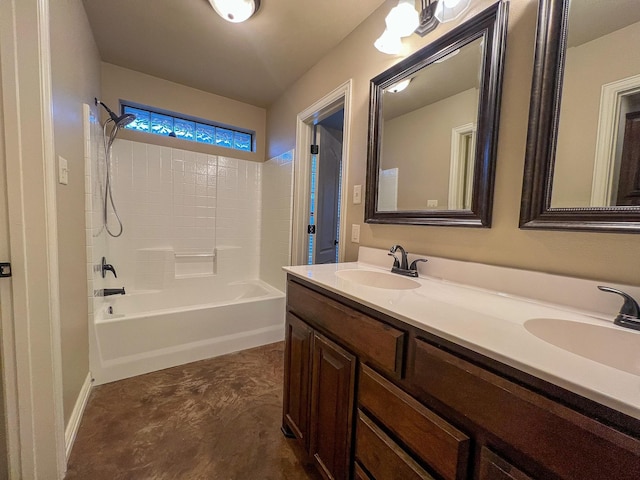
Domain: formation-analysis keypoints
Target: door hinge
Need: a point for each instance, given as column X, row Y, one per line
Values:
column 5, row 269
column 314, row 149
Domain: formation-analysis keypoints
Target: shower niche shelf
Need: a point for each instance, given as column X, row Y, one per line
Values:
column 195, row 264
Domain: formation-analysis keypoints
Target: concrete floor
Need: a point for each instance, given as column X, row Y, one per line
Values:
column 214, row 419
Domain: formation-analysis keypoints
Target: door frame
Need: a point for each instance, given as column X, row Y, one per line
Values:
column 32, row 352
column 339, row 98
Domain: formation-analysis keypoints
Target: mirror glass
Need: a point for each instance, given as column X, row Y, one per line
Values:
column 597, row 160
column 432, row 145
column 429, row 134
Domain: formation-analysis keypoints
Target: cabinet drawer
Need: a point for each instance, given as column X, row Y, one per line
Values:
column 430, row 437
column 371, row 339
column 556, row 438
column 493, row 467
column 382, row 457
column 360, row 474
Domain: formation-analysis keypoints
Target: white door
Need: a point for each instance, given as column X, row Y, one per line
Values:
column 329, row 164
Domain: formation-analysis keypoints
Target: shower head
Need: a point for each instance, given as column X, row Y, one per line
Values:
column 120, row 121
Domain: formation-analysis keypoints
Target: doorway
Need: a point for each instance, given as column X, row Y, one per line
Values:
column 320, row 179
column 325, row 190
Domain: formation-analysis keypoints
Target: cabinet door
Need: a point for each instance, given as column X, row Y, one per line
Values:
column 297, row 368
column 332, row 392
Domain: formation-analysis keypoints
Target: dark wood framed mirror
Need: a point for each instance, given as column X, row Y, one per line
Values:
column 432, row 146
column 582, row 164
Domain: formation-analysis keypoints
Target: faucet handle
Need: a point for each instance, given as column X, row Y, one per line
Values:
column 107, row 267
column 414, row 264
column 396, row 262
column 629, row 315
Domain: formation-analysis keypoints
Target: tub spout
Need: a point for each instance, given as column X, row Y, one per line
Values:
column 113, row 291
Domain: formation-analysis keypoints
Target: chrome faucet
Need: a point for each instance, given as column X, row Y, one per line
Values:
column 629, row 316
column 402, row 266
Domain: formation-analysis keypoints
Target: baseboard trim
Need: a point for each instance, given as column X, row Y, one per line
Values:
column 76, row 416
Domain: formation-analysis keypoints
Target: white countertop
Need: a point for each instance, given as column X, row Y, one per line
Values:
column 492, row 324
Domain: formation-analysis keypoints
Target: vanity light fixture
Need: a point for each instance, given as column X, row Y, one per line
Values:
column 449, row 10
column 388, row 43
column 400, row 86
column 235, row 11
column 404, row 19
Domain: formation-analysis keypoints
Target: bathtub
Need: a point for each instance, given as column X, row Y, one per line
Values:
column 145, row 331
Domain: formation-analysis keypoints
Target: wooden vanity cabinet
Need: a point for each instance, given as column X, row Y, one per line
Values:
column 372, row 398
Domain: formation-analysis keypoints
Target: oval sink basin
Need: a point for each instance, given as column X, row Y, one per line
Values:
column 389, row 281
column 616, row 348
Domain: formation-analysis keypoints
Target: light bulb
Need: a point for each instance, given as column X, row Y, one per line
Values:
column 403, row 19
column 388, row 43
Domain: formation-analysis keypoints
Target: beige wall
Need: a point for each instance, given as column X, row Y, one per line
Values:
column 75, row 80
column 588, row 68
column 119, row 83
column 418, row 143
column 608, row 257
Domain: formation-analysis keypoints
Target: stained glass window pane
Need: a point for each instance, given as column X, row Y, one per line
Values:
column 205, row 133
column 242, row 141
column 224, row 137
column 161, row 124
column 142, row 121
column 184, row 129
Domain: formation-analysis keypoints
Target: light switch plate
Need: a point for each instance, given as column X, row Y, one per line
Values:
column 355, row 233
column 357, row 194
column 63, row 171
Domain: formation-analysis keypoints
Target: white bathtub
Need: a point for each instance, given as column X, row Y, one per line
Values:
column 152, row 330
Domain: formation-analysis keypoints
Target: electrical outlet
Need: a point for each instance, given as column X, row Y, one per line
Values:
column 63, row 171
column 357, row 194
column 432, row 203
column 355, row 233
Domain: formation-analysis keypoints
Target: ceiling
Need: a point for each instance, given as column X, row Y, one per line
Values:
column 589, row 20
column 186, row 42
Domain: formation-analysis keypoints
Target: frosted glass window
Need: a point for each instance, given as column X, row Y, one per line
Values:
column 242, row 141
column 161, row 124
column 165, row 124
column 224, row 137
column 205, row 133
column 184, row 129
column 142, row 122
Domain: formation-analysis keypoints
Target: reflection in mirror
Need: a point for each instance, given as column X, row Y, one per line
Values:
column 428, row 135
column 582, row 163
column 433, row 126
column 598, row 147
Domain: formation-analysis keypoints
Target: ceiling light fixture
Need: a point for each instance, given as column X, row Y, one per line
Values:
column 235, row 11
column 400, row 86
column 404, row 19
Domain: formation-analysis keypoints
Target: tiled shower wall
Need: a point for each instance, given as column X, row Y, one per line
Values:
column 277, row 205
column 179, row 208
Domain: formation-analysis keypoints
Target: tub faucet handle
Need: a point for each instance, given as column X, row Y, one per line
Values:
column 107, row 267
